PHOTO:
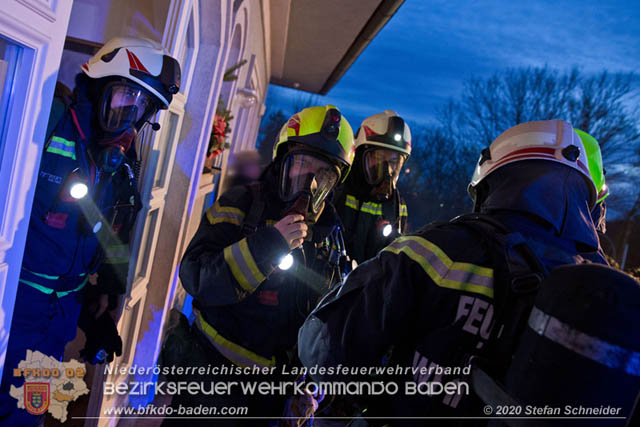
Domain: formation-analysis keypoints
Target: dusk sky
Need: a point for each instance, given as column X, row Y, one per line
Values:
column 422, row 57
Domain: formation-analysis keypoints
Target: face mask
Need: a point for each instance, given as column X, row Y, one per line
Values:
column 307, row 179
column 125, row 109
column 124, row 106
column 381, row 170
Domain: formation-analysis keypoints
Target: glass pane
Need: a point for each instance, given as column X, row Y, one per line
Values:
column 145, row 251
column 165, row 148
column 129, row 325
column 186, row 54
column 10, row 54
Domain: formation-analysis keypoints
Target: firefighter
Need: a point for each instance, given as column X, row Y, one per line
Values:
column 85, row 204
column 369, row 203
column 263, row 255
column 429, row 300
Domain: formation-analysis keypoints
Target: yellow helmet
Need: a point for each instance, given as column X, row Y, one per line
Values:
column 322, row 129
column 596, row 169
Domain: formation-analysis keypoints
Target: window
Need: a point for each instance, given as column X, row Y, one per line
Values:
column 165, row 148
column 10, row 54
column 145, row 250
column 188, row 51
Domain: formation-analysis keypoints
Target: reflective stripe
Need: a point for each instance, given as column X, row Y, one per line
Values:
column 352, row 202
column 243, row 266
column 593, row 348
column 272, row 221
column 372, row 208
column 49, row 291
column 217, row 214
column 44, row 276
column 441, row 269
column 368, row 207
column 403, row 210
column 117, row 254
column 238, row 355
column 62, row 147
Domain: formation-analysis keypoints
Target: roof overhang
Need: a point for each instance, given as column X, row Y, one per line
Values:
column 313, row 43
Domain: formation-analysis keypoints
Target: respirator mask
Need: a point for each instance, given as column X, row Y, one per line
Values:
column 125, row 108
column 381, row 170
column 306, row 179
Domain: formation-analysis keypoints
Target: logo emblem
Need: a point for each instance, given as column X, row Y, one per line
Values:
column 36, row 398
column 135, row 63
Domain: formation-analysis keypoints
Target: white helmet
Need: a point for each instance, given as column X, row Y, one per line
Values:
column 552, row 140
column 386, row 130
column 140, row 60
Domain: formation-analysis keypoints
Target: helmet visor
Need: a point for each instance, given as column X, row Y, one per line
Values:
column 380, row 164
column 125, row 106
column 305, row 173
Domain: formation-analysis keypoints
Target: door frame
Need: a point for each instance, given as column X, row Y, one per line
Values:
column 40, row 27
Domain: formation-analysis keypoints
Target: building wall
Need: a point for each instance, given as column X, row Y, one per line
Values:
column 247, row 26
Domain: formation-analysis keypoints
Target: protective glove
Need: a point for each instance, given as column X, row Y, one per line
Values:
column 99, row 328
column 103, row 340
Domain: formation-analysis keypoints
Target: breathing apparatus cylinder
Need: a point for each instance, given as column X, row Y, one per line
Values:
column 581, row 346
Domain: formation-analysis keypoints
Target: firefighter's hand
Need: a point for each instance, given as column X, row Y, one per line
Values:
column 293, row 229
column 102, row 305
column 299, row 410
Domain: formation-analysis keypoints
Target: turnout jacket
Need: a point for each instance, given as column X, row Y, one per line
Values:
column 247, row 308
column 426, row 301
column 360, row 218
column 64, row 245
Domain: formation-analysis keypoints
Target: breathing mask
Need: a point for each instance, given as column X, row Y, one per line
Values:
column 306, row 179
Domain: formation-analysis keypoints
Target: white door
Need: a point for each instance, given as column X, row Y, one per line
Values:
column 157, row 151
column 32, row 34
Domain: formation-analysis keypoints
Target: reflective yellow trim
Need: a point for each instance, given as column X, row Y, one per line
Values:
column 217, row 214
column 368, row 207
column 235, row 269
column 62, row 147
column 243, row 267
column 63, row 141
column 232, row 351
column 403, row 210
column 272, row 221
column 372, row 208
column 441, row 269
column 352, row 202
column 248, row 258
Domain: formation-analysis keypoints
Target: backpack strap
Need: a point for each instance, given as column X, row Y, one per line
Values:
column 522, row 274
column 252, row 219
column 62, row 100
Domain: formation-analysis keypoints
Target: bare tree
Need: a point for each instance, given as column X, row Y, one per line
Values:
column 268, row 133
column 600, row 104
column 435, row 177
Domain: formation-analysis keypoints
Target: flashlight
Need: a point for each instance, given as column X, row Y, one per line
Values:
column 78, row 190
column 397, row 137
column 286, row 262
column 384, row 227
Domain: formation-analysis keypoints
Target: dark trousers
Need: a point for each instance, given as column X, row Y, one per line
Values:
column 262, row 410
column 42, row 323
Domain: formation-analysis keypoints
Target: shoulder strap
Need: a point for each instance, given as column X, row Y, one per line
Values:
column 521, row 274
column 62, row 99
column 252, row 219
